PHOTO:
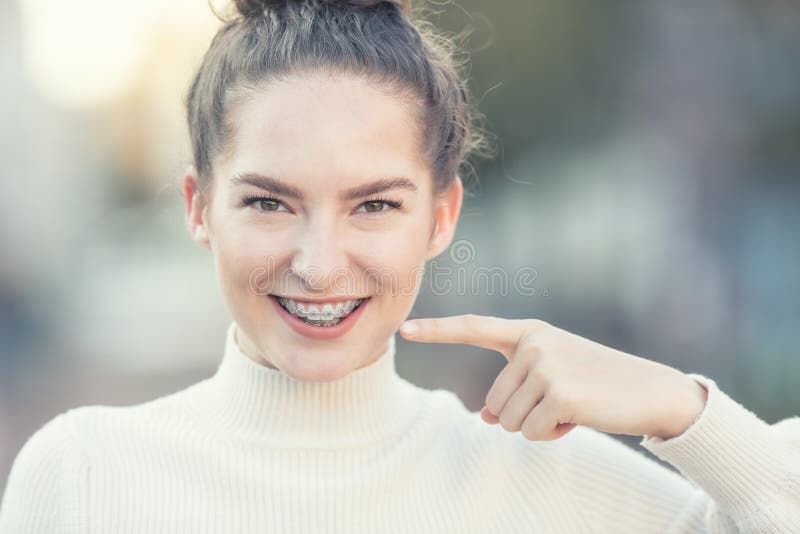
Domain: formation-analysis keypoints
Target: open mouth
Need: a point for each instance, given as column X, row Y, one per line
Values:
column 320, row 315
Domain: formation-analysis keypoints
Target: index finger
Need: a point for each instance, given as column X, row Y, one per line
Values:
column 493, row 333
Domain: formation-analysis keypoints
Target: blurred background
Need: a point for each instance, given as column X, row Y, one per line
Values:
column 646, row 179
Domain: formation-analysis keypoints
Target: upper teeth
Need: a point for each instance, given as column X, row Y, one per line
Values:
column 326, row 311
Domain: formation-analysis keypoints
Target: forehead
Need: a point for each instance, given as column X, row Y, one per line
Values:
column 325, row 127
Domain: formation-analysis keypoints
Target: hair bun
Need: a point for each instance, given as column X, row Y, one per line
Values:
column 257, row 8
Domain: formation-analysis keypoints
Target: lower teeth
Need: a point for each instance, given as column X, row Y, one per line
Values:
column 322, row 323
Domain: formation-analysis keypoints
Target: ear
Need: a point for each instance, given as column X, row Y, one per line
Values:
column 447, row 206
column 195, row 201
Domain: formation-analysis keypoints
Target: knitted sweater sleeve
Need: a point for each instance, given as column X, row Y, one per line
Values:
column 740, row 474
column 42, row 491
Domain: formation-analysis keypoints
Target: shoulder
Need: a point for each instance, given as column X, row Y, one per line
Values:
column 47, row 483
column 581, row 453
column 445, row 409
column 43, row 476
column 464, row 431
column 78, row 431
column 582, row 449
column 585, row 450
column 103, row 427
column 54, row 442
column 61, row 440
column 480, row 457
column 48, row 444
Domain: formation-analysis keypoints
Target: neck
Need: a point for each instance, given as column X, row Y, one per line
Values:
column 248, row 348
column 258, row 402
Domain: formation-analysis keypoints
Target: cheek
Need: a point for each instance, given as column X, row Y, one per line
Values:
column 395, row 260
column 246, row 260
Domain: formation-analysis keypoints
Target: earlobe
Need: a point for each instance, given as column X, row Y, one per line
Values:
column 195, row 208
column 200, row 234
column 447, row 209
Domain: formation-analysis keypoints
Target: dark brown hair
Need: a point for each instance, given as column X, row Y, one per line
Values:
column 379, row 40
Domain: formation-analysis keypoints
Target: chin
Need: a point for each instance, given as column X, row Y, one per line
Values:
column 306, row 369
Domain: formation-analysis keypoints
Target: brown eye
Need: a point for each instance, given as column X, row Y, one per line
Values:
column 268, row 205
column 263, row 204
column 376, row 204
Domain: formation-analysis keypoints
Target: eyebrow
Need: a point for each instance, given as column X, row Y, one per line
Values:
column 287, row 190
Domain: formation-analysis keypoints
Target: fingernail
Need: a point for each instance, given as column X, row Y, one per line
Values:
column 409, row 328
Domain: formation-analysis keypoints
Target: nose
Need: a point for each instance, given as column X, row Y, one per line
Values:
column 319, row 260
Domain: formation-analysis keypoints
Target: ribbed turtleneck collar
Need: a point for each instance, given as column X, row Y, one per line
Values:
column 264, row 404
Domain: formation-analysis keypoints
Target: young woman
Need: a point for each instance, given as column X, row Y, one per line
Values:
column 327, row 138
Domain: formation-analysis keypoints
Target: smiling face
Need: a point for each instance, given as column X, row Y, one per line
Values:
column 322, row 196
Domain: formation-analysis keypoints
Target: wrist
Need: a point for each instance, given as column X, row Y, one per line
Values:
column 689, row 406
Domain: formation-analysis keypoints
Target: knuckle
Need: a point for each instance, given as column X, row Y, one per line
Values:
column 559, row 398
column 528, row 430
column 530, row 350
column 527, row 341
column 472, row 321
column 538, row 324
column 538, row 379
column 493, row 403
column 434, row 326
column 507, row 424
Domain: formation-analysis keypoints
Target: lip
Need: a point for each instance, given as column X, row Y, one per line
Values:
column 319, row 332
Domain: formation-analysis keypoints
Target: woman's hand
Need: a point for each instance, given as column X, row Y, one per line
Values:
column 555, row 380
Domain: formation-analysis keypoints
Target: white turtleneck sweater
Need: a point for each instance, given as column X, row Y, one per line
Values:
column 251, row 450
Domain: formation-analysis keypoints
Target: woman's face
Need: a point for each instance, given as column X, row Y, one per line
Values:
column 322, row 196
